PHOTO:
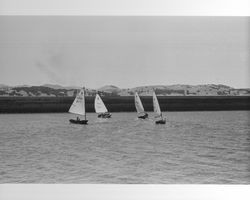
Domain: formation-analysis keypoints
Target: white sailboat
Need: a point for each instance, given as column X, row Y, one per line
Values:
column 78, row 108
column 157, row 111
column 139, row 107
column 100, row 108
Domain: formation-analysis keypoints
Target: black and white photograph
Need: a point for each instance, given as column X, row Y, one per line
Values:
column 124, row 99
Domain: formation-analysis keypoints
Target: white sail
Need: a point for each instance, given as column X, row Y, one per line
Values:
column 99, row 105
column 78, row 106
column 138, row 104
column 156, row 105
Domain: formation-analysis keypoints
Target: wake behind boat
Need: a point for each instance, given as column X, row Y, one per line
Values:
column 78, row 108
column 157, row 110
column 139, row 107
column 100, row 108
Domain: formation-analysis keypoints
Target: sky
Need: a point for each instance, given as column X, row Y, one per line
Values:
column 125, row 51
column 128, row 7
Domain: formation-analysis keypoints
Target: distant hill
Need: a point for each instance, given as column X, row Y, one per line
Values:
column 60, row 87
column 111, row 90
column 187, row 90
column 3, row 86
column 53, row 86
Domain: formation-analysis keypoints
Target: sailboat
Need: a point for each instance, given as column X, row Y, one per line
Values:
column 78, row 108
column 157, row 110
column 139, row 107
column 100, row 108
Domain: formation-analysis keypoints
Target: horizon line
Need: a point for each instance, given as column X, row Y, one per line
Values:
column 153, row 85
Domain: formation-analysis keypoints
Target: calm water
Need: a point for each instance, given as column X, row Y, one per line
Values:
column 193, row 147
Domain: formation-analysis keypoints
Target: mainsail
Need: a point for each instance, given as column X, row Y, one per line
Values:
column 99, row 105
column 78, row 106
column 156, row 105
column 138, row 104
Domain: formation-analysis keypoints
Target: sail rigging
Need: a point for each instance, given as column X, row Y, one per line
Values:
column 78, row 106
column 138, row 104
column 156, row 106
column 99, row 105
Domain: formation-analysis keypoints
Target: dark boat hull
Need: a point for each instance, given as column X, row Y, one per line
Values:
column 161, row 121
column 73, row 121
column 104, row 115
column 145, row 116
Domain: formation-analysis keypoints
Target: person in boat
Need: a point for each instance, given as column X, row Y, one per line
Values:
column 78, row 119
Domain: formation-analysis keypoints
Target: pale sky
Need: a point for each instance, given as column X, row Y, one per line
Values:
column 126, row 7
column 124, row 51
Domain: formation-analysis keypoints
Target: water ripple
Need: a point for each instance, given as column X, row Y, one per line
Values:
column 193, row 147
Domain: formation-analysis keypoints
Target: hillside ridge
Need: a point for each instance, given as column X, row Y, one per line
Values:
column 111, row 90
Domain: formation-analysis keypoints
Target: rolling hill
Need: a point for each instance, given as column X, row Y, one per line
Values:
column 111, row 90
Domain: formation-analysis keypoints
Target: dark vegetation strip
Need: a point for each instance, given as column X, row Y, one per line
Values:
column 125, row 104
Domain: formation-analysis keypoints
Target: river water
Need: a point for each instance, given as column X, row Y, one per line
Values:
column 192, row 148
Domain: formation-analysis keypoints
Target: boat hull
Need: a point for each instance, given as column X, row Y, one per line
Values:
column 73, row 121
column 145, row 116
column 104, row 115
column 161, row 121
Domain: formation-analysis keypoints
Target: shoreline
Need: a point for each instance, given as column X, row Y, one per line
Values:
column 125, row 103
